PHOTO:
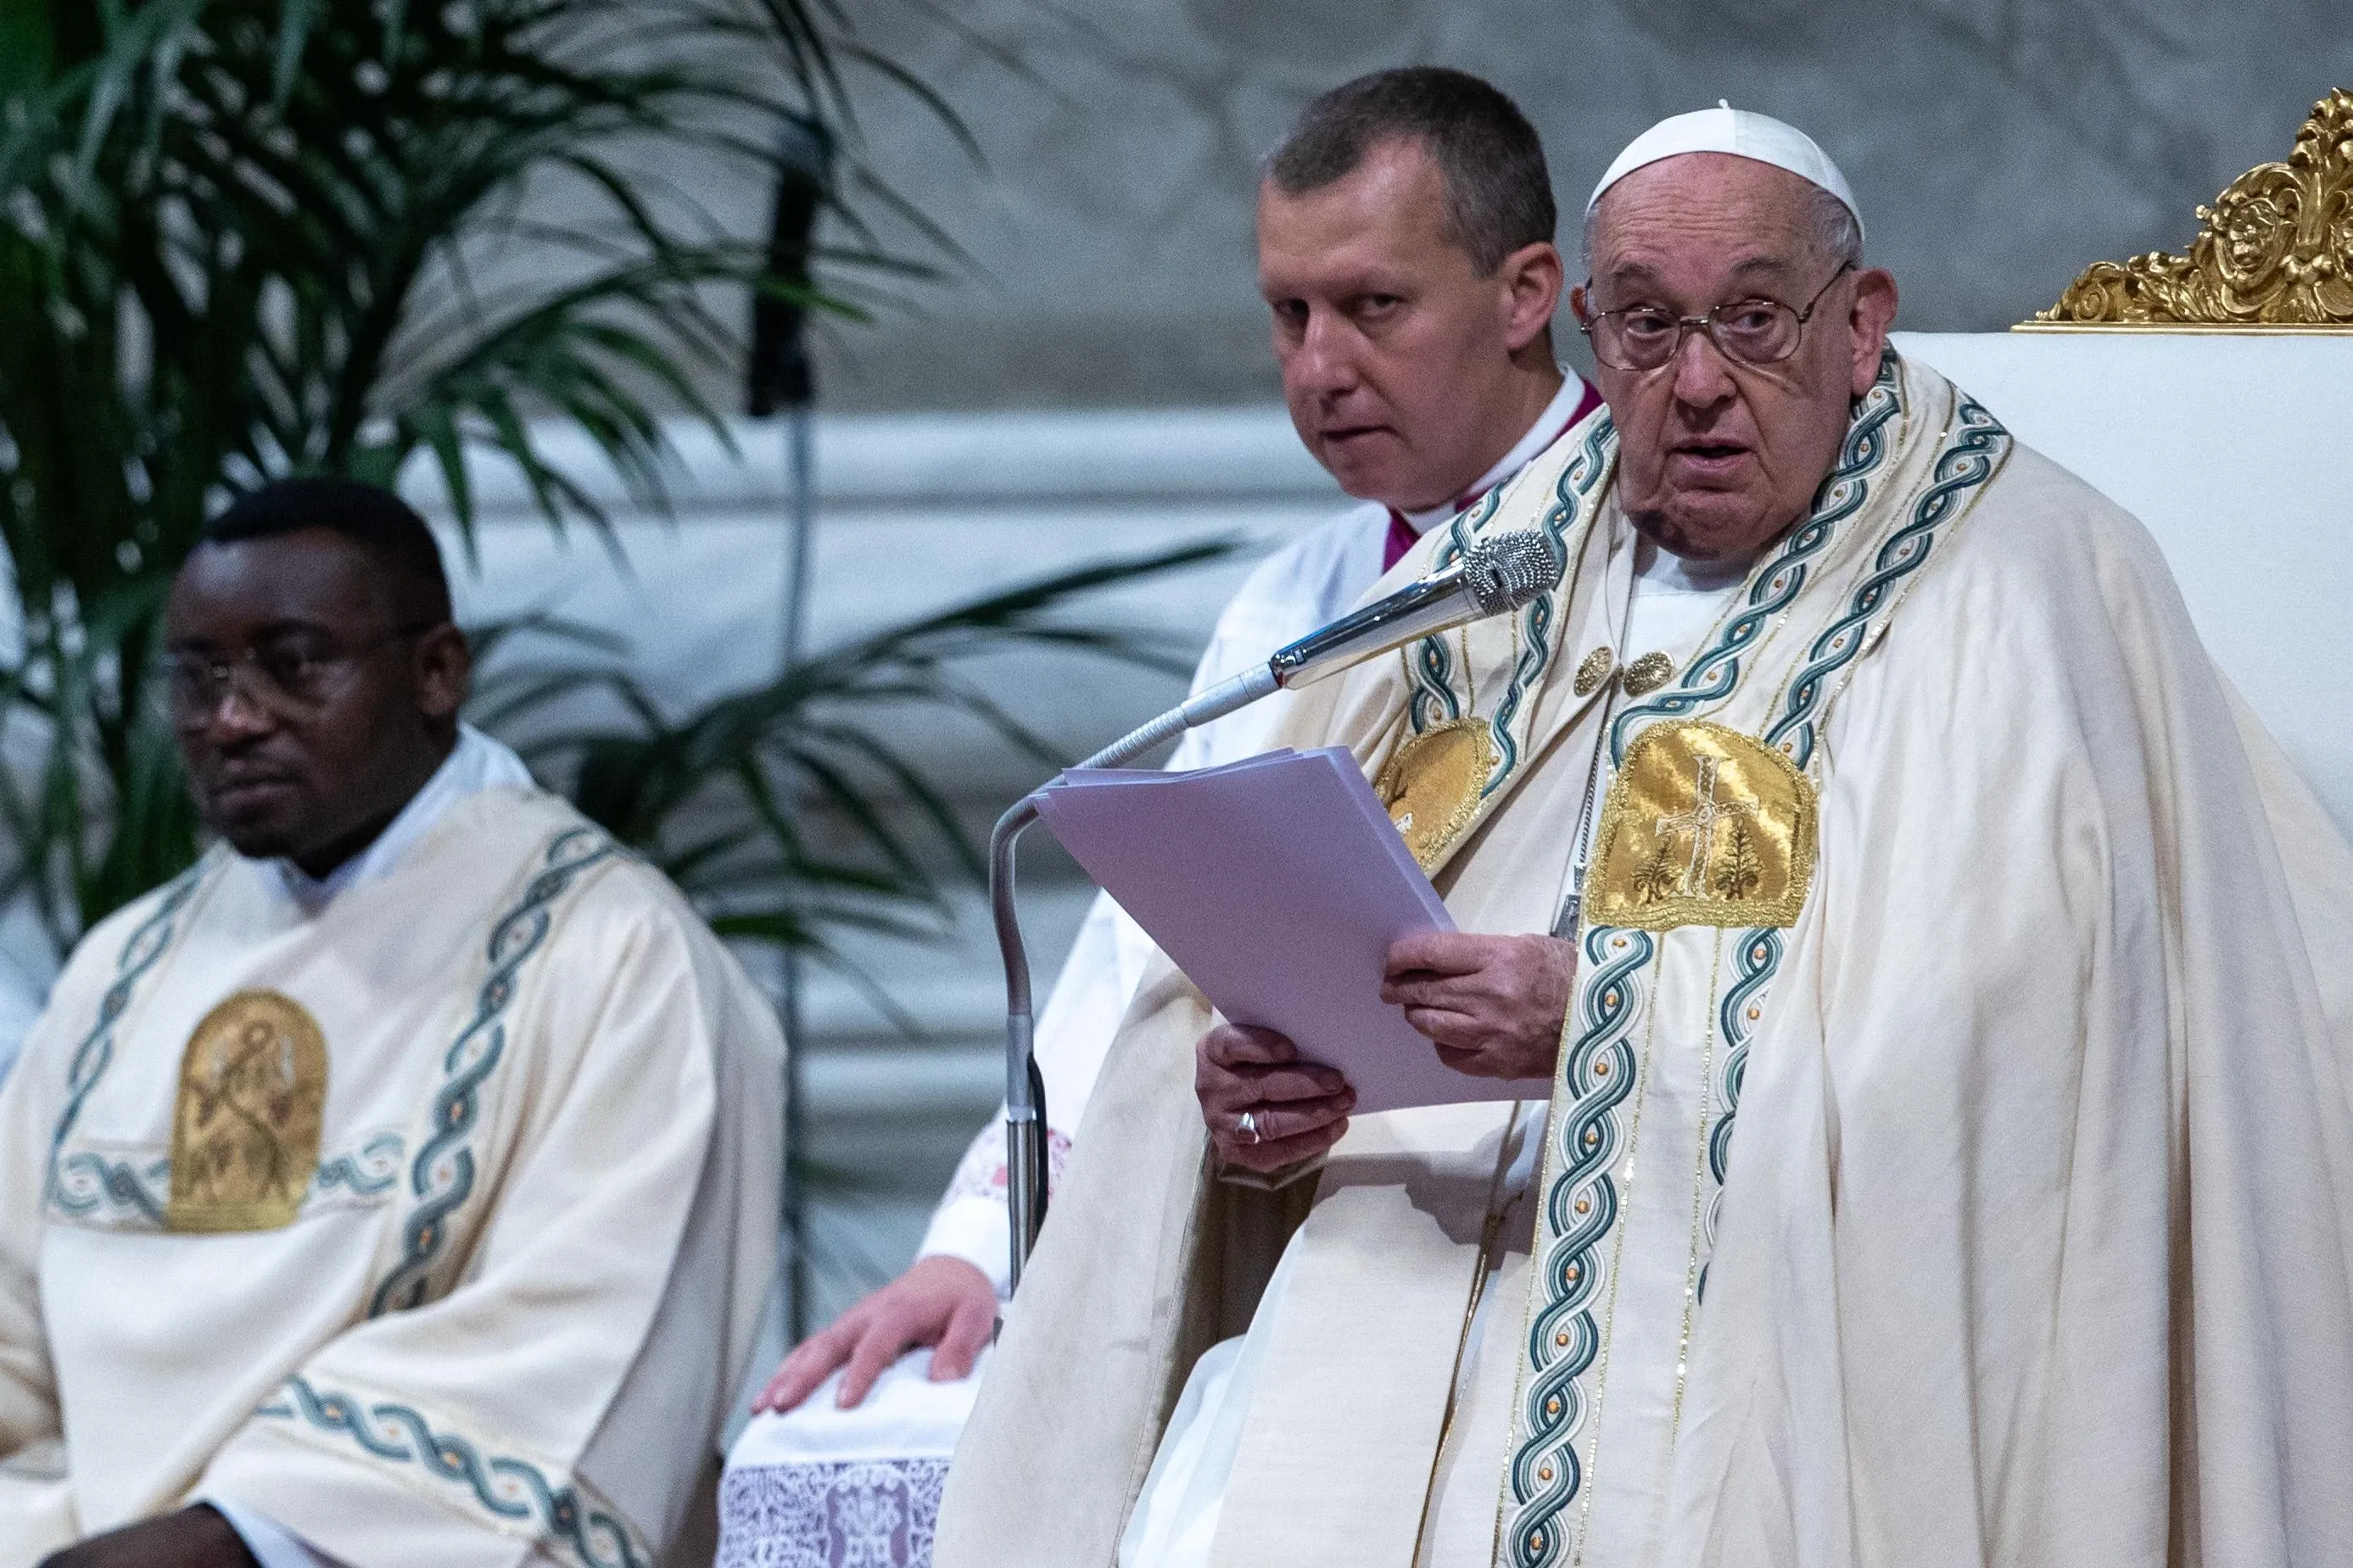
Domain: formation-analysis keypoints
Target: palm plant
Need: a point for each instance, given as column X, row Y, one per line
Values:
column 240, row 238
column 767, row 805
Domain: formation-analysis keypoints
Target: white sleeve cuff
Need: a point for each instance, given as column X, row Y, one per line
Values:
column 975, row 1229
column 272, row 1543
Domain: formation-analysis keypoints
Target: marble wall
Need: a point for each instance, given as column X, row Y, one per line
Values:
column 1996, row 145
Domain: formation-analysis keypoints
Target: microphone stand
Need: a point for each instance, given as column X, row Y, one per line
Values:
column 1498, row 574
column 1025, row 1086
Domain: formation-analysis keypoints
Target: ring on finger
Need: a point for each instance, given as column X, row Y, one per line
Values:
column 1246, row 1124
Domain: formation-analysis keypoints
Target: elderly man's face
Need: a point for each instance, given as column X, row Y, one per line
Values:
column 1397, row 359
column 338, row 703
column 1718, row 457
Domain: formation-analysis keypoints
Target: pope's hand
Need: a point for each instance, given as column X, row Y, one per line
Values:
column 942, row 1301
column 1493, row 1005
column 1296, row 1110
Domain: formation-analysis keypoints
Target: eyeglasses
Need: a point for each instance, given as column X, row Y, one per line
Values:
column 1747, row 331
column 289, row 678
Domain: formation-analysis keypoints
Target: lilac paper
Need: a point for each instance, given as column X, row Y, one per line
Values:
column 1277, row 885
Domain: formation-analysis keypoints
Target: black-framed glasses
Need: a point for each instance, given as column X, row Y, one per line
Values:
column 290, row 675
column 1747, row 332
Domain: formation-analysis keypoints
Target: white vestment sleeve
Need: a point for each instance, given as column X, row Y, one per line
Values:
column 557, row 1403
column 37, row 1512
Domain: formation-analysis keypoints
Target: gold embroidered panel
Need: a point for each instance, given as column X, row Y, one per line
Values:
column 1703, row 826
column 246, row 1128
column 2274, row 253
column 1432, row 786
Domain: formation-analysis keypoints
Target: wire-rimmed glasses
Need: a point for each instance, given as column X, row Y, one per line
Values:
column 1747, row 332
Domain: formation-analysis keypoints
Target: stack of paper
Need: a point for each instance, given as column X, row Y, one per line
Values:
column 1277, row 885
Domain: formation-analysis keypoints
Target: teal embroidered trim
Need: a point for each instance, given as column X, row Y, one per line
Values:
column 1431, row 669
column 1716, row 673
column 1571, row 501
column 442, row 1176
column 373, row 1168
column 1598, row 1070
column 511, row 1489
column 146, row 946
column 122, row 1194
column 1433, row 700
column 1973, row 450
column 89, row 1182
column 1742, row 1010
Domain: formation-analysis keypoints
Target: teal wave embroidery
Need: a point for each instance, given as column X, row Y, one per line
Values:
column 1759, row 957
column 1599, row 1072
column 144, row 948
column 1969, row 459
column 1570, row 496
column 442, row 1175
column 90, row 1182
column 373, row 1168
column 1714, row 675
column 1431, row 669
column 509, row 1488
column 141, row 1193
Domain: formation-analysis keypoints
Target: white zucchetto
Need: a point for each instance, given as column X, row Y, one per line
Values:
column 1742, row 133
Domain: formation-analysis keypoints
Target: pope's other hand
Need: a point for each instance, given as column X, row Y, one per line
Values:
column 1492, row 1006
column 1297, row 1109
column 942, row 1301
column 195, row 1537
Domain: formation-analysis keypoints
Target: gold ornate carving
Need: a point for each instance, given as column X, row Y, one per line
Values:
column 2274, row 253
column 1432, row 786
column 245, row 1132
column 1703, row 826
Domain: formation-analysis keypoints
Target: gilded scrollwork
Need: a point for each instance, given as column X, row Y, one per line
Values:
column 2276, row 250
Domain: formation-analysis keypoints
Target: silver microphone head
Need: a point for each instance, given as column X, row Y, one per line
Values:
column 1505, row 571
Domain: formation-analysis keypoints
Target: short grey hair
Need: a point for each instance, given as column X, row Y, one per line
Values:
column 1837, row 232
column 1498, row 192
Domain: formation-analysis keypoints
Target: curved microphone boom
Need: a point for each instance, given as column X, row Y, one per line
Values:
column 1494, row 576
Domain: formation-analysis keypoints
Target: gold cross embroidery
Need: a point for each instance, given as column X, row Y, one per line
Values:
column 1700, row 822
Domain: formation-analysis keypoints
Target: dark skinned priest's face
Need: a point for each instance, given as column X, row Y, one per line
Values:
column 309, row 709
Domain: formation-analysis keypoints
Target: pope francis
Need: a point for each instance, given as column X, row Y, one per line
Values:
column 1941, row 980
column 399, row 1185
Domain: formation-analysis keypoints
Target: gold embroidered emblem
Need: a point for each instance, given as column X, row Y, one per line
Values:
column 1432, row 786
column 1703, row 826
column 1648, row 673
column 1595, row 669
column 245, row 1132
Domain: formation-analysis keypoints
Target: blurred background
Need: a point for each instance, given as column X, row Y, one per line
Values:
column 799, row 622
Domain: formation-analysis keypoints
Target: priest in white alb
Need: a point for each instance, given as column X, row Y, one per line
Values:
column 1939, row 973
column 1430, row 184
column 397, row 1185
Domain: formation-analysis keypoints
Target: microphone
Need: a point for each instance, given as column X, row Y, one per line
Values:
column 1495, row 577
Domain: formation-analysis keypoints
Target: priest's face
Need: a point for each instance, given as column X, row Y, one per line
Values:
column 1717, row 456
column 1408, row 374
column 312, row 695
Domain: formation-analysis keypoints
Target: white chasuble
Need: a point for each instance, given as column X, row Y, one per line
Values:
column 1949, row 1162
column 433, row 1226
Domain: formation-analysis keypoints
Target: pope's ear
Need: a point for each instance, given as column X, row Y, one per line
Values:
column 1873, row 314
